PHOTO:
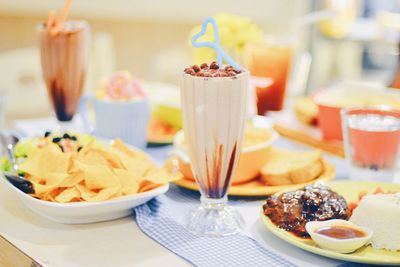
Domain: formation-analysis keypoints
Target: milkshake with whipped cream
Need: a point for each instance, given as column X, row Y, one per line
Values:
column 214, row 101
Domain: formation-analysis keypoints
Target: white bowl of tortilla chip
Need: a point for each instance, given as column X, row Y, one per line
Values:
column 87, row 211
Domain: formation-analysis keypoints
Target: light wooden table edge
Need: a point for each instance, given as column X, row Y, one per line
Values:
column 304, row 138
column 11, row 256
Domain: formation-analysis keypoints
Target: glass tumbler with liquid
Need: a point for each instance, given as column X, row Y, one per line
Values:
column 271, row 59
column 371, row 140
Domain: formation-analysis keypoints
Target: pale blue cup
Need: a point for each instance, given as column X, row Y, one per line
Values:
column 126, row 120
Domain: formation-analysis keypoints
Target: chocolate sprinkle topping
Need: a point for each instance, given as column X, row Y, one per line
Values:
column 212, row 70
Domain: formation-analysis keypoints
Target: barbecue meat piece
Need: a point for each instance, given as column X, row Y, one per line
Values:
column 292, row 210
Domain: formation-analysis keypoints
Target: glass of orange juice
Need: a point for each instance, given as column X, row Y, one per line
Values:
column 270, row 59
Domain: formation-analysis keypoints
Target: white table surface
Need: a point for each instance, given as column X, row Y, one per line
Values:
column 114, row 243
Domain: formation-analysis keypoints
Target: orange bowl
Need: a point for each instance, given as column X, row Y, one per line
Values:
column 347, row 95
column 329, row 122
column 251, row 159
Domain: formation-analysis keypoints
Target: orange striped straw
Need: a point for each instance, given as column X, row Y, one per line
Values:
column 54, row 22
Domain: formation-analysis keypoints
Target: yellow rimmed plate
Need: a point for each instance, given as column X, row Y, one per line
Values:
column 255, row 187
column 349, row 190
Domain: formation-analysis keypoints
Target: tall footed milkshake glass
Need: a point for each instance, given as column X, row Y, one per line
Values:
column 64, row 57
column 213, row 112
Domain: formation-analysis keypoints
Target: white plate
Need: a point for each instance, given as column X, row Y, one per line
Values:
column 84, row 212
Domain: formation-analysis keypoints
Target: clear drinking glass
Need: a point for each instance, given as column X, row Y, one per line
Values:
column 213, row 112
column 64, row 57
column 271, row 59
column 371, row 138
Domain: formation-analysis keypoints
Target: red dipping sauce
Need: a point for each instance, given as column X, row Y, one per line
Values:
column 340, row 232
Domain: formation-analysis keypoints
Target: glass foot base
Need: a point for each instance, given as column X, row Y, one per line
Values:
column 65, row 127
column 214, row 218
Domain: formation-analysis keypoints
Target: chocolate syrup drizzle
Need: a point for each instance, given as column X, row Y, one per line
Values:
column 213, row 190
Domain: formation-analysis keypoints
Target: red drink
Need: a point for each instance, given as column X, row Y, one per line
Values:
column 269, row 61
column 372, row 139
column 372, row 142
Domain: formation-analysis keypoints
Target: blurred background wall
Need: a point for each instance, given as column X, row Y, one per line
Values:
column 141, row 31
column 149, row 38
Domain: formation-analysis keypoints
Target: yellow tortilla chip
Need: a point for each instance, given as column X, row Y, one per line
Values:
column 161, row 176
column 129, row 184
column 88, row 146
column 119, row 145
column 147, row 186
column 85, row 192
column 103, row 194
column 68, row 195
column 32, row 178
column 138, row 166
column 46, row 160
column 72, row 179
column 41, row 190
column 48, row 183
column 90, row 157
column 54, row 178
column 98, row 176
column 111, row 159
column 157, row 177
column 51, row 195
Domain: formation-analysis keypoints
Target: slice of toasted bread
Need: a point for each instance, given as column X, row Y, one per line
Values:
column 292, row 167
column 306, row 110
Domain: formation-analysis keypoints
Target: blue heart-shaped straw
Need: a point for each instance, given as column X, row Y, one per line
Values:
column 214, row 45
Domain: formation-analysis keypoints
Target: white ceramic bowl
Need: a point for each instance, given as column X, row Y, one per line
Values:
column 334, row 244
column 84, row 212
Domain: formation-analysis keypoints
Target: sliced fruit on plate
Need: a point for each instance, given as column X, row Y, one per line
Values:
column 160, row 131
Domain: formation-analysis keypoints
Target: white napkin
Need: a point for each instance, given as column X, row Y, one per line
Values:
column 34, row 127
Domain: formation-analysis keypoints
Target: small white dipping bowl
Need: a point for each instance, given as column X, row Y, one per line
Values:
column 338, row 245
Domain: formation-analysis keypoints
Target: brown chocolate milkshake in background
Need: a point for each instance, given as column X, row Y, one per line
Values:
column 64, row 57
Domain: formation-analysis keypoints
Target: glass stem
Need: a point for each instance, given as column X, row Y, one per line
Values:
column 65, row 126
column 214, row 203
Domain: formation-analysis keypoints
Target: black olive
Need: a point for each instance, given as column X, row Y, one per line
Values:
column 374, row 167
column 73, row 138
column 62, row 149
column 80, row 148
column 47, row 133
column 56, row 139
column 66, row 136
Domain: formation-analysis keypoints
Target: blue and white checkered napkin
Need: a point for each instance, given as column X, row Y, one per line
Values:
column 161, row 219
